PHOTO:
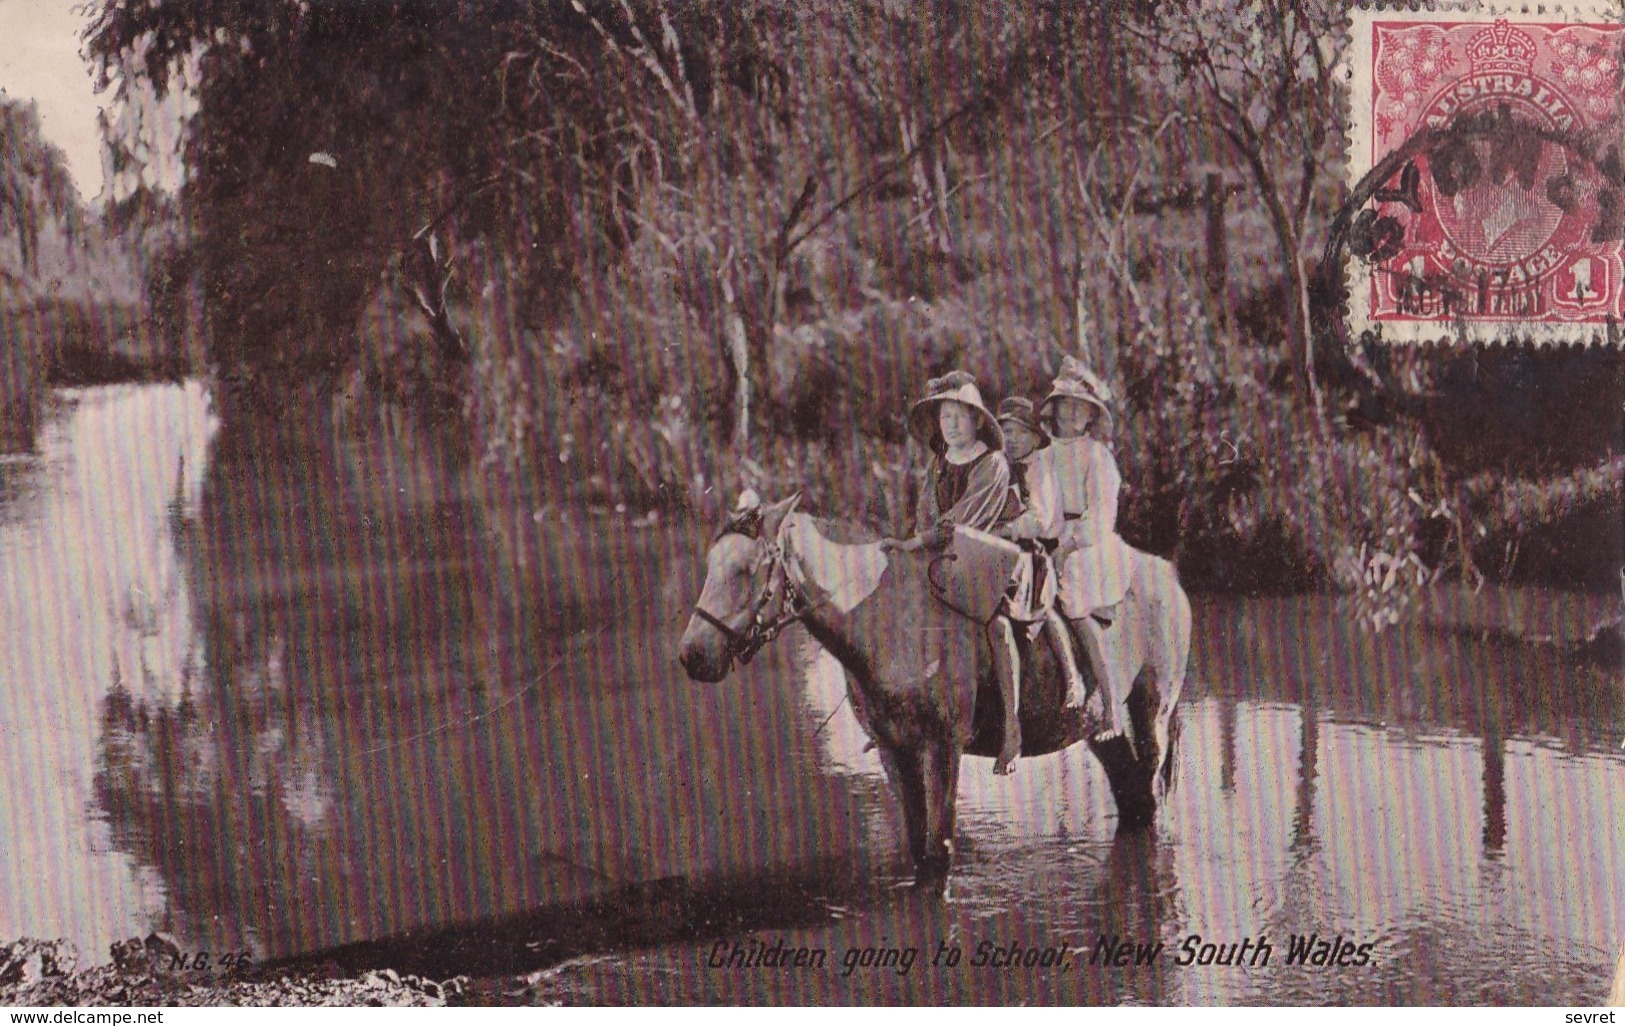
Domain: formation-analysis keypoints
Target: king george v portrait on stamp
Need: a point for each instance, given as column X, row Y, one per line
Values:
column 1483, row 153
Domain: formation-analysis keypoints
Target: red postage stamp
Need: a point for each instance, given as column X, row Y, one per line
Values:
column 1487, row 175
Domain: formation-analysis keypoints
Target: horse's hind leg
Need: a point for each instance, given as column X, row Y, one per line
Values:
column 1159, row 761
column 1164, row 781
column 1153, row 711
column 1138, row 773
column 1125, row 773
column 1168, row 658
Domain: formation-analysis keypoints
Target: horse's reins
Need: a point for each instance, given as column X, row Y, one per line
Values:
column 743, row 644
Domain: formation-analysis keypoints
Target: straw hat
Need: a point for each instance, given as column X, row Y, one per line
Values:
column 1075, row 381
column 1018, row 409
column 958, row 387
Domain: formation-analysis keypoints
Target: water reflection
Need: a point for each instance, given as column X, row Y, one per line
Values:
column 91, row 591
column 1495, row 794
column 391, row 721
column 1303, row 816
column 1312, row 802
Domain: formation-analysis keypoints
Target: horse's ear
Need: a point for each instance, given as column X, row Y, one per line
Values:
column 773, row 516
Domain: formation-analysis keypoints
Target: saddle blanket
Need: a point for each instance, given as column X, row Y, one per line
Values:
column 972, row 576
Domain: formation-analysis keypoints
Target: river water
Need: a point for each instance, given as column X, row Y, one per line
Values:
column 348, row 701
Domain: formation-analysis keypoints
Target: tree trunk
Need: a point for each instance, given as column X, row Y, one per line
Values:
column 739, row 350
column 1218, row 251
column 1080, row 312
column 924, row 198
column 1299, row 339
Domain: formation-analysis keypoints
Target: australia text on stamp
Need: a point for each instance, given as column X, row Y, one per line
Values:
column 1488, row 183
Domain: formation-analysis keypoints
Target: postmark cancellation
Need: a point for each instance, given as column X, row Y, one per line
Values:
column 1487, row 174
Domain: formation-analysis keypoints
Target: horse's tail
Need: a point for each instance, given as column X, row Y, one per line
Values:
column 1169, row 646
column 1168, row 773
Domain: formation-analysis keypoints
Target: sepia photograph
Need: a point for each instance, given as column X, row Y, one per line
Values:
column 812, row 502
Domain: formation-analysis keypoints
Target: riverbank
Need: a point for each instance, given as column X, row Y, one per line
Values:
column 52, row 342
column 149, row 971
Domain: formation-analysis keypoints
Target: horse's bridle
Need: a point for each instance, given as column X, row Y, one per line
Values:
column 759, row 629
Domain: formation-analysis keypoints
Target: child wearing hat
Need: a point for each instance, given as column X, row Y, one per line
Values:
column 967, row 483
column 967, row 478
column 1095, row 563
column 1034, row 516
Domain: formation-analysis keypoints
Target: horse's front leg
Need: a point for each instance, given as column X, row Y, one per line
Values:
column 939, row 768
column 902, row 767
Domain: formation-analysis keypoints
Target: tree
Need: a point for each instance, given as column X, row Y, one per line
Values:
column 332, row 142
column 36, row 190
column 769, row 121
column 1261, row 73
column 37, row 200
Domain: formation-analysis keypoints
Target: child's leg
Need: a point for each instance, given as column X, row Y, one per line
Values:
column 1076, row 692
column 1113, row 695
column 1007, row 666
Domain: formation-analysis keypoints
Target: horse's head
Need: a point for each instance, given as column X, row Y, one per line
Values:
column 744, row 598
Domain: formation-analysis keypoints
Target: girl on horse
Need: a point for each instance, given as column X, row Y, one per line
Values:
column 1034, row 518
column 967, row 484
column 1095, row 563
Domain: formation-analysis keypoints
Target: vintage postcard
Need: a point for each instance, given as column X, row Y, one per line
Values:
column 811, row 502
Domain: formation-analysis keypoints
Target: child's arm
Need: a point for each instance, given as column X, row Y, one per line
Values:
column 1099, row 518
column 979, row 507
column 1042, row 518
column 926, row 513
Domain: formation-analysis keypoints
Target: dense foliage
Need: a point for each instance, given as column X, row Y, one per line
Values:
column 70, row 283
column 36, row 190
column 37, row 202
column 643, row 250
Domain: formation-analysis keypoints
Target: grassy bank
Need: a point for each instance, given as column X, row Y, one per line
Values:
column 85, row 343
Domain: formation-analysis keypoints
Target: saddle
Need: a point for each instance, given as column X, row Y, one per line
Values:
column 972, row 574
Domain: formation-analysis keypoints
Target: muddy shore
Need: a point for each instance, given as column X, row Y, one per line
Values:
column 145, row 972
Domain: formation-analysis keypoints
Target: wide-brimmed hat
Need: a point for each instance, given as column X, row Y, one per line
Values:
column 1018, row 409
column 959, row 387
column 1075, row 381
